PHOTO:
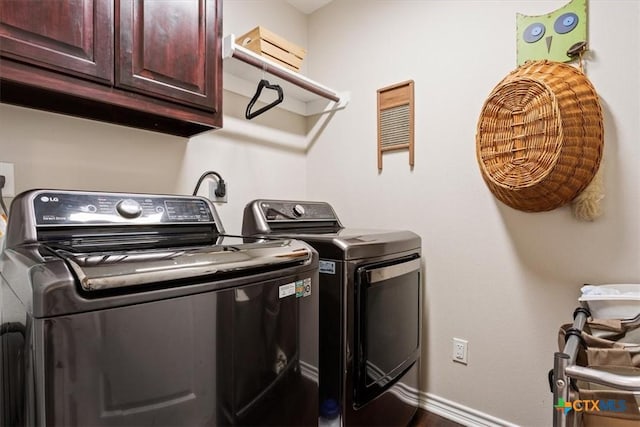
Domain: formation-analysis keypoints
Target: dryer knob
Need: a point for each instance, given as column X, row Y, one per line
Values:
column 129, row 208
column 298, row 210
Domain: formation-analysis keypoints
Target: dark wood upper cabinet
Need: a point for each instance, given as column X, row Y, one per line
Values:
column 154, row 64
column 166, row 48
column 74, row 36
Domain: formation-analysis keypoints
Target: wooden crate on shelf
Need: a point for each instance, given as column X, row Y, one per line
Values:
column 274, row 47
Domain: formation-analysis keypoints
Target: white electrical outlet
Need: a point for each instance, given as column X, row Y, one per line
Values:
column 9, row 189
column 460, row 351
column 213, row 185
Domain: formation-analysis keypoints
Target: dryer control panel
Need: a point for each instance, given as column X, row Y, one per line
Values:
column 265, row 216
column 298, row 211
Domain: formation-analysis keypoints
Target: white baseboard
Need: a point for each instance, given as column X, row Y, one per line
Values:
column 460, row 413
column 447, row 409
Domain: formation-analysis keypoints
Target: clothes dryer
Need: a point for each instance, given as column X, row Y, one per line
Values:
column 371, row 295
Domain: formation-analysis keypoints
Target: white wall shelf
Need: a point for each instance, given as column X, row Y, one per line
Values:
column 243, row 69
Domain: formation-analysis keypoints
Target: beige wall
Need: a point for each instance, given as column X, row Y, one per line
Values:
column 55, row 151
column 500, row 278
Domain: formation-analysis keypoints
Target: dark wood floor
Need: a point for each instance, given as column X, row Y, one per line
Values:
column 428, row 419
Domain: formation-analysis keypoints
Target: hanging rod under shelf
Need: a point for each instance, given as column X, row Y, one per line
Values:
column 232, row 50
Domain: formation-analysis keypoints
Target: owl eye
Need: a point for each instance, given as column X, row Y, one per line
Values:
column 533, row 32
column 565, row 23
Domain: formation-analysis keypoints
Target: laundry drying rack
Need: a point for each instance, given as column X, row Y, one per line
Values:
column 593, row 406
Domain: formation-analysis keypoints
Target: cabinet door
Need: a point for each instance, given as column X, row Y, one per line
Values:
column 170, row 49
column 71, row 36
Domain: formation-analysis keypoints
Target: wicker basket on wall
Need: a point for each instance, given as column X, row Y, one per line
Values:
column 540, row 136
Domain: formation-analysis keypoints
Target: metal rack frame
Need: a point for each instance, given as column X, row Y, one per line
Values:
column 565, row 369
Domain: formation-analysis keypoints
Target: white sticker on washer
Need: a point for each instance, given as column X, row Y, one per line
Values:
column 287, row 290
column 327, row 267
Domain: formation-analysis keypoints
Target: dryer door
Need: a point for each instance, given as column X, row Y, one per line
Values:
column 387, row 332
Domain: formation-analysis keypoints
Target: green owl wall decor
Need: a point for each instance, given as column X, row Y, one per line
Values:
column 556, row 36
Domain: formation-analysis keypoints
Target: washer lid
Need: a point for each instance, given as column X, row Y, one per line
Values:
column 51, row 281
column 98, row 271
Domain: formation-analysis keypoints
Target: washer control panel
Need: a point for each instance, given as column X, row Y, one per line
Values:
column 298, row 210
column 129, row 208
column 68, row 207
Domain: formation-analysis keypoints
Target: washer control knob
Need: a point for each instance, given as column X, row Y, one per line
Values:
column 129, row 208
column 298, row 210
